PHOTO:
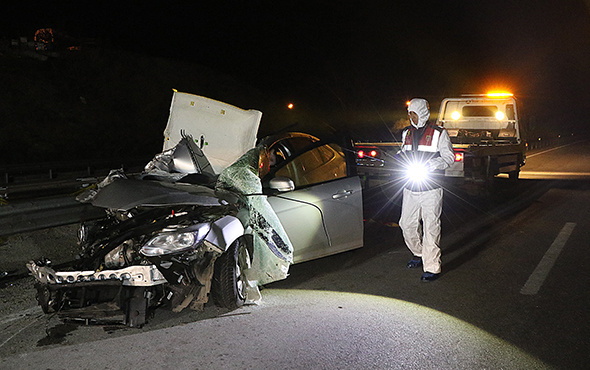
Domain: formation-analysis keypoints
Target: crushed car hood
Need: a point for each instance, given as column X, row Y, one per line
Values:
column 222, row 131
column 125, row 194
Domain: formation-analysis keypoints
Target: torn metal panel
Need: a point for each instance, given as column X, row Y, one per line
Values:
column 127, row 194
column 175, row 163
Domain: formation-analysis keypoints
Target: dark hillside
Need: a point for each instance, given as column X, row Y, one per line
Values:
column 98, row 104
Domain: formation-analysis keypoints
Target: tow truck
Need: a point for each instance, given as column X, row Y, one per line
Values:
column 487, row 139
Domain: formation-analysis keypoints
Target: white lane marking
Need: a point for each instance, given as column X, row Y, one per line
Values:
column 34, row 320
column 21, row 315
column 549, row 173
column 538, row 276
column 535, row 175
column 550, row 150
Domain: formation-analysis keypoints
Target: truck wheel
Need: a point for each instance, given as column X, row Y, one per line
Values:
column 489, row 185
column 490, row 181
column 229, row 283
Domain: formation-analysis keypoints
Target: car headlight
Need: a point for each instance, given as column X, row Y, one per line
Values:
column 417, row 172
column 176, row 241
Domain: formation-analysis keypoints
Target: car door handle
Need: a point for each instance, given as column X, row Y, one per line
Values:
column 342, row 194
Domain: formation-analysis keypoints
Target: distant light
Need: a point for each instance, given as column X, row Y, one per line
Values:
column 373, row 153
column 360, row 154
column 458, row 157
column 290, row 105
column 456, row 115
column 499, row 94
column 408, row 103
column 499, row 115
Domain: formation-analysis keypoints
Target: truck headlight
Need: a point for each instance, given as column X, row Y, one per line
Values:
column 176, row 241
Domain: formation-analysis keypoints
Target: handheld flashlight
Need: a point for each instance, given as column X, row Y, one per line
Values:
column 417, row 172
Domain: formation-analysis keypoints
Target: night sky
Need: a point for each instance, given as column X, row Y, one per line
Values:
column 360, row 59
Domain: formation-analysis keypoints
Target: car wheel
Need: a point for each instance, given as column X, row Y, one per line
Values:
column 229, row 282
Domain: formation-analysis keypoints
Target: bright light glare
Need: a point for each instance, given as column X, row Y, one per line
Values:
column 499, row 115
column 290, row 106
column 458, row 157
column 455, row 115
column 499, row 94
column 417, row 172
column 458, row 343
column 373, row 153
column 360, row 154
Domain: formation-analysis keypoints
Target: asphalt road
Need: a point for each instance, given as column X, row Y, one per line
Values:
column 513, row 295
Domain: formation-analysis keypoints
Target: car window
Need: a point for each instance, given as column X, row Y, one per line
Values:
column 296, row 144
column 289, row 147
column 320, row 164
column 285, row 149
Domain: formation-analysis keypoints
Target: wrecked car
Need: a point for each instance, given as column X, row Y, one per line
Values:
column 215, row 215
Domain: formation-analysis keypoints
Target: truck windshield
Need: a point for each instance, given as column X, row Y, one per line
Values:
column 479, row 111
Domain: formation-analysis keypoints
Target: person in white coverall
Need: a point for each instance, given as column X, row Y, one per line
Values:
column 426, row 151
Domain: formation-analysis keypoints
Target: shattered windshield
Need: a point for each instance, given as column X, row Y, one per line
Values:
column 273, row 251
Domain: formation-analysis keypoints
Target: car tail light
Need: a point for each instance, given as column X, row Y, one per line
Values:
column 371, row 153
column 459, row 156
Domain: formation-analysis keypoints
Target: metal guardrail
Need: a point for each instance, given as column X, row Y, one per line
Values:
column 30, row 200
column 44, row 189
column 11, row 174
column 37, row 214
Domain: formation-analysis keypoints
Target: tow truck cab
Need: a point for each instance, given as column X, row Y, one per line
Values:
column 486, row 135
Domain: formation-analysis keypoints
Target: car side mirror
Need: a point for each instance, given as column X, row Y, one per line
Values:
column 281, row 184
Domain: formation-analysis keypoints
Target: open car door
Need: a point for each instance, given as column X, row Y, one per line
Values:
column 324, row 214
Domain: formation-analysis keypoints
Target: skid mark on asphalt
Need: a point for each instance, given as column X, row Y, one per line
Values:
column 538, row 276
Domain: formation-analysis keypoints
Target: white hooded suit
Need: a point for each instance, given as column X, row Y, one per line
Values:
column 422, row 201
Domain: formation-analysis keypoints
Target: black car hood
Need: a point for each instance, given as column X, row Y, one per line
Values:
column 125, row 194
